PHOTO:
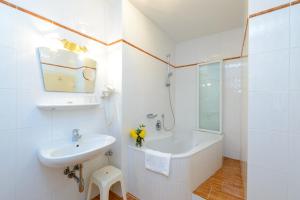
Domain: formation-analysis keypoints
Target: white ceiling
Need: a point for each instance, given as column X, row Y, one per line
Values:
column 187, row 19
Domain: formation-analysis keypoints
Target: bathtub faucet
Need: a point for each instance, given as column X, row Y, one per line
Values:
column 158, row 125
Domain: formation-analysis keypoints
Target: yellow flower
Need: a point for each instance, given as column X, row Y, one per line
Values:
column 143, row 133
column 133, row 134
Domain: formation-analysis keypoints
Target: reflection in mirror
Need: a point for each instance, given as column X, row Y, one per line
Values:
column 65, row 71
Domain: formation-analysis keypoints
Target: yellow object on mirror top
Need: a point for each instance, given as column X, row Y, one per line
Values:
column 72, row 46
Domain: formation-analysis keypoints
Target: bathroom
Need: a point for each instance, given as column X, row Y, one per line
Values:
column 173, row 100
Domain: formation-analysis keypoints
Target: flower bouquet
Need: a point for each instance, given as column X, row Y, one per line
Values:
column 138, row 134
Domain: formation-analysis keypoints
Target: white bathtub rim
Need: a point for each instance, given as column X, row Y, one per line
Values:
column 189, row 153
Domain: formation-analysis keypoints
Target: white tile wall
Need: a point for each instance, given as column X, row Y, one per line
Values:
column 259, row 5
column 8, row 107
column 232, row 94
column 295, row 29
column 266, row 184
column 273, row 151
column 8, row 68
column 8, row 140
column 23, row 127
column 273, row 137
column 294, row 153
column 268, row 110
column 143, row 81
column 271, row 32
column 212, row 47
column 275, row 61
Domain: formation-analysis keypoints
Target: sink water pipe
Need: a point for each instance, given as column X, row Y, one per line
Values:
column 72, row 174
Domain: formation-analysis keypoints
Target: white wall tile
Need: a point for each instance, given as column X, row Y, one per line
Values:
column 294, row 153
column 8, row 141
column 274, row 62
column 8, row 109
column 294, row 164
column 232, row 108
column 7, row 23
column 266, row 184
column 8, row 67
column 88, row 121
column 28, row 115
column 268, row 111
column 259, row 5
column 294, row 69
column 294, row 112
column 293, row 187
column 185, row 100
column 32, row 178
column 269, row 32
column 27, row 67
column 211, row 47
column 295, row 29
column 268, row 149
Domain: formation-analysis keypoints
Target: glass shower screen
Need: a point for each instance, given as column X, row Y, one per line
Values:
column 210, row 97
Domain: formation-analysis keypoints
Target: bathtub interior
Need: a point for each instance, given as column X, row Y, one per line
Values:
column 194, row 159
column 180, row 144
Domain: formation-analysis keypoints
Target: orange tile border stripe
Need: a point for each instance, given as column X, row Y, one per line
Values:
column 245, row 36
column 78, row 32
column 270, row 10
column 199, row 63
column 135, row 46
column 295, row 2
column 275, row 8
column 51, row 21
column 146, row 52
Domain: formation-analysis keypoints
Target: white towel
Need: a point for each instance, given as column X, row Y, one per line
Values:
column 157, row 161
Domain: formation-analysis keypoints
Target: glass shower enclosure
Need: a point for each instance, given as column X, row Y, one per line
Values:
column 209, row 90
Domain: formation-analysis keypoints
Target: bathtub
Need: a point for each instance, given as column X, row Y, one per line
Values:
column 194, row 159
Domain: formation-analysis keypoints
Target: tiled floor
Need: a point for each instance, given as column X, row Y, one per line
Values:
column 113, row 196
column 225, row 184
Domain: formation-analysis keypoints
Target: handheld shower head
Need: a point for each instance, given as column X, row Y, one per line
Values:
column 168, row 81
column 169, row 73
column 168, row 84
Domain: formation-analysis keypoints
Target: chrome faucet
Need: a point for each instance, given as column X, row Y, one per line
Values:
column 76, row 135
column 158, row 125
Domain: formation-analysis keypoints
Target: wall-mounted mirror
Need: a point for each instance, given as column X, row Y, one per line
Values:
column 65, row 71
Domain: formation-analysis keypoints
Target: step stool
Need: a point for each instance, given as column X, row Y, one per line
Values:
column 104, row 178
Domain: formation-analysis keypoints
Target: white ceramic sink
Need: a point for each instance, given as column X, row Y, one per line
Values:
column 65, row 154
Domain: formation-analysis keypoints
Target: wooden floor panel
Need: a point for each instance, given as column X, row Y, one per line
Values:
column 225, row 184
column 113, row 196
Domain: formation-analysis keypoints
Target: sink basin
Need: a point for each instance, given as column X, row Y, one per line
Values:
column 65, row 154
